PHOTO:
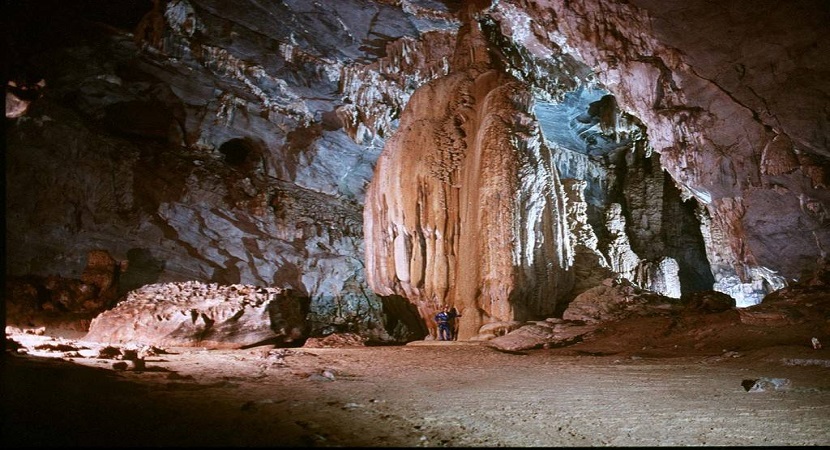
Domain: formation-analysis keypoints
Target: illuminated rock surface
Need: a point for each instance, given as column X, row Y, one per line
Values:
column 380, row 159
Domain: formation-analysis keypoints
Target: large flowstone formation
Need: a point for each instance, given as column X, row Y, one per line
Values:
column 466, row 208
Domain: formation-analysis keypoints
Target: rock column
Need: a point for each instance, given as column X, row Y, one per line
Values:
column 465, row 208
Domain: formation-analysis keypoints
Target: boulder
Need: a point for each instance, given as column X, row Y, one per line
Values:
column 541, row 334
column 192, row 314
column 612, row 301
column 708, row 301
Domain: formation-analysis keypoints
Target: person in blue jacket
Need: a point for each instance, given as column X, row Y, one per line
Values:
column 442, row 318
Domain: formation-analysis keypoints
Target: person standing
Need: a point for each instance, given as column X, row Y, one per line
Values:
column 443, row 321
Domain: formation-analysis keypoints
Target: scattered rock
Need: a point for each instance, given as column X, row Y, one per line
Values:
column 177, row 376
column 708, row 301
column 109, row 352
column 806, row 362
column 319, row 377
column 541, row 334
column 56, row 347
column 335, row 340
column 766, row 384
column 494, row 329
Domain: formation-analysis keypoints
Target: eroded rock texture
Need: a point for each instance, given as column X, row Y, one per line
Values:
column 193, row 314
column 730, row 96
column 466, row 209
column 382, row 158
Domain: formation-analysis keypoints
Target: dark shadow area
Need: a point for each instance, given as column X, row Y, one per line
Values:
column 95, row 407
column 49, row 402
column 684, row 242
column 139, row 119
column 34, row 26
column 403, row 322
column 236, row 152
column 142, row 269
column 227, row 274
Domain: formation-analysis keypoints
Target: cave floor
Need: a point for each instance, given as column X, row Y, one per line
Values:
column 464, row 394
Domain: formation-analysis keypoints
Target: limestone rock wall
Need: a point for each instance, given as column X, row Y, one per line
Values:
column 214, row 144
column 731, row 96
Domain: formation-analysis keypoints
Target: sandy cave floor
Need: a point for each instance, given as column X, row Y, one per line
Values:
column 602, row 392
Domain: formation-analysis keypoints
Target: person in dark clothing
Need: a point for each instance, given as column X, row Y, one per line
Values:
column 443, row 321
column 453, row 316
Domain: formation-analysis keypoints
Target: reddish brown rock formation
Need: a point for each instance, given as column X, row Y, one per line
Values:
column 102, row 271
column 465, row 208
column 59, row 302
